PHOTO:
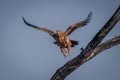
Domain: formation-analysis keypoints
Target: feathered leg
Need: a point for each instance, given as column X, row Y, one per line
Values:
column 69, row 50
column 63, row 51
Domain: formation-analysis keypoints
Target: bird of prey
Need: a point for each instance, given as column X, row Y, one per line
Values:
column 61, row 38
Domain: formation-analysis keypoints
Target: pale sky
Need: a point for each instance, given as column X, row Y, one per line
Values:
column 29, row 54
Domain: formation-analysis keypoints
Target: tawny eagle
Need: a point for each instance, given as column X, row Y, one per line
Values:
column 61, row 38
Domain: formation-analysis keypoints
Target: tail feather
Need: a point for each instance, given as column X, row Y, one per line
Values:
column 74, row 43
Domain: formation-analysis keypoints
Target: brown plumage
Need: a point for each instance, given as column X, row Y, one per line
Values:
column 61, row 38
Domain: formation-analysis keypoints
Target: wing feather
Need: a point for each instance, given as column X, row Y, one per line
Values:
column 39, row 28
column 78, row 25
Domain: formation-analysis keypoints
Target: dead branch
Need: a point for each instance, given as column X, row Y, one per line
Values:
column 106, row 45
column 92, row 49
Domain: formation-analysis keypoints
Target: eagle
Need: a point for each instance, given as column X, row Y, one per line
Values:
column 61, row 38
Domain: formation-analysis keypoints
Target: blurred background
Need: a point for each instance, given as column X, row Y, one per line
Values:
column 29, row 54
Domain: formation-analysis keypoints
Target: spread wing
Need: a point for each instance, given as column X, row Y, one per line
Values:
column 40, row 28
column 78, row 25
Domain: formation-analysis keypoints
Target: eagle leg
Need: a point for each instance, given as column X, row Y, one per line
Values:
column 63, row 51
column 69, row 50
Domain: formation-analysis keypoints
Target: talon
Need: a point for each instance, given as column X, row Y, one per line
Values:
column 64, row 55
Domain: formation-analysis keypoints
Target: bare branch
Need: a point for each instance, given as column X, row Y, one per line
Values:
column 106, row 45
column 73, row 64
